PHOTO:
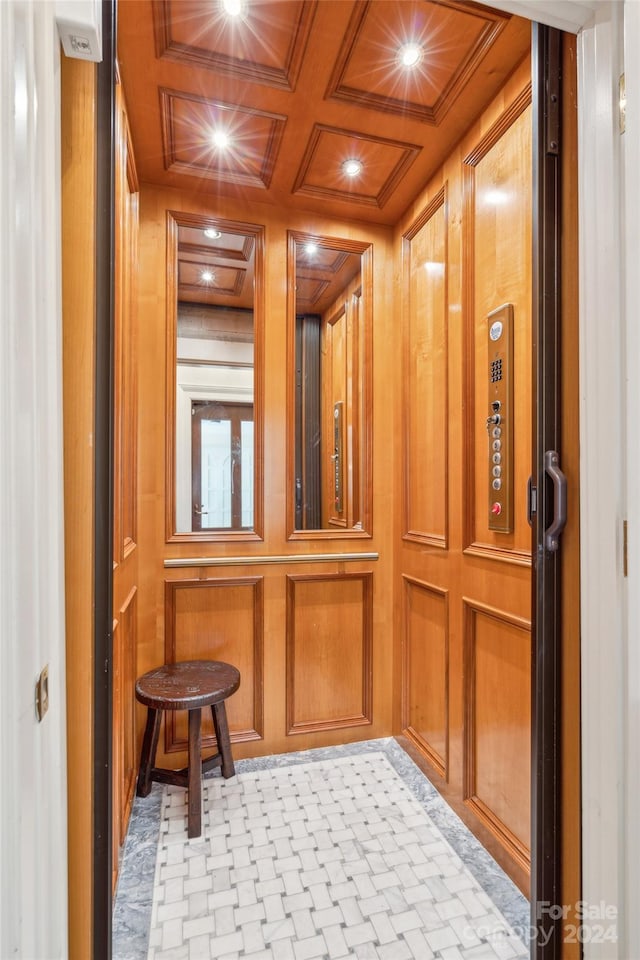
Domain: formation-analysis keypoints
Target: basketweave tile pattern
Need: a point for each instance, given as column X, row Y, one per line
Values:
column 328, row 859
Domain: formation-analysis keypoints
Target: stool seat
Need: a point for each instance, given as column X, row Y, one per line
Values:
column 187, row 685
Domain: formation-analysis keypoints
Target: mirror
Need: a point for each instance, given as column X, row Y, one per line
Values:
column 330, row 294
column 212, row 357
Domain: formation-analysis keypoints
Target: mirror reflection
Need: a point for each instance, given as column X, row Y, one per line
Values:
column 214, row 408
column 332, row 305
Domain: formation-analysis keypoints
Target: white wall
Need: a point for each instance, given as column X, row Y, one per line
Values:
column 601, row 449
column 33, row 863
column 631, row 692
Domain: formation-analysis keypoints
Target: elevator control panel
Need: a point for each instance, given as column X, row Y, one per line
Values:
column 500, row 418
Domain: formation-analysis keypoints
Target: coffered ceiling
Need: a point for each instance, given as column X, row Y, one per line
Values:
column 301, row 86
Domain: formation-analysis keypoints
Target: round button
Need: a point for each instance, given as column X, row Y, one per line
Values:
column 496, row 484
column 497, row 458
column 496, row 432
column 497, row 444
column 496, row 509
column 497, row 471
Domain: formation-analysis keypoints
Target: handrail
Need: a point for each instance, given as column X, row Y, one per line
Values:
column 251, row 561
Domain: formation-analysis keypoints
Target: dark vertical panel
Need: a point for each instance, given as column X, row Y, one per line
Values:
column 546, row 760
column 103, row 446
column 312, row 417
column 308, row 433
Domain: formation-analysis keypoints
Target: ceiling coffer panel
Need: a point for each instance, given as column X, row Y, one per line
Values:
column 452, row 37
column 384, row 163
column 189, row 123
column 225, row 282
column 199, row 34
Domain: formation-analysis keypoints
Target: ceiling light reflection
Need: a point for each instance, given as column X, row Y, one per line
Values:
column 434, row 268
column 212, row 234
column 220, row 139
column 496, row 198
column 410, row 54
column 352, row 168
column 311, row 248
column 206, row 276
column 233, row 8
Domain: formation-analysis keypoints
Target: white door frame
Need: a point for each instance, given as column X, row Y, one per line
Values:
column 608, row 35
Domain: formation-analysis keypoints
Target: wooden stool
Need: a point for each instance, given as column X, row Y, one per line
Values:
column 190, row 686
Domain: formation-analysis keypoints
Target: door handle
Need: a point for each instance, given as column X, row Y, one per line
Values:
column 552, row 467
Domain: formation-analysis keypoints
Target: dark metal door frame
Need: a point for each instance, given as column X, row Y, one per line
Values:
column 103, row 491
column 548, row 497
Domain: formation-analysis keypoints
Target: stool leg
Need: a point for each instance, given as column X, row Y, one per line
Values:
column 219, row 714
column 148, row 754
column 195, row 775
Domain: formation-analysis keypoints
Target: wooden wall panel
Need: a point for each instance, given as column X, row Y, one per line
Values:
column 497, row 677
column 125, row 347
column 425, row 692
column 152, row 319
column 329, row 651
column 481, row 202
column 497, row 259
column 217, row 619
column 124, row 740
column 426, row 375
column 125, row 553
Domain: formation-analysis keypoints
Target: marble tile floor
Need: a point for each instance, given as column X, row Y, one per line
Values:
column 340, row 852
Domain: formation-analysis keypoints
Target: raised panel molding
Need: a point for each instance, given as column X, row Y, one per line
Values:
column 497, row 723
column 218, row 619
column 425, row 671
column 473, row 545
column 329, row 651
column 426, row 447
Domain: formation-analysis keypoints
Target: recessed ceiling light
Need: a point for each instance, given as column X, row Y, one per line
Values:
column 410, row 54
column 212, row 234
column 310, row 248
column 352, row 168
column 220, row 139
column 206, row 276
column 233, row 8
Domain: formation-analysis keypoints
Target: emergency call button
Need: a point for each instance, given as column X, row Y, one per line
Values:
column 496, row 509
